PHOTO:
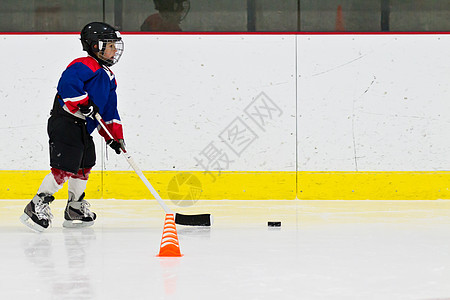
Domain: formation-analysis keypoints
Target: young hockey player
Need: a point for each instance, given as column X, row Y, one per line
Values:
column 86, row 87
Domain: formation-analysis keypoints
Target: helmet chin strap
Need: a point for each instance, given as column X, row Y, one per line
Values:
column 103, row 60
column 97, row 55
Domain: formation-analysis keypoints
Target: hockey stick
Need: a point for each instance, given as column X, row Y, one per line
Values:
column 188, row 220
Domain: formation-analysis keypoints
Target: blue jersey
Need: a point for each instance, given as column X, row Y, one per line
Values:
column 85, row 79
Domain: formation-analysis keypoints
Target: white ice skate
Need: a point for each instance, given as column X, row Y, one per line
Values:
column 77, row 213
column 37, row 215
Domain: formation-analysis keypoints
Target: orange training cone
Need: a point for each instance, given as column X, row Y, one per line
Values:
column 169, row 241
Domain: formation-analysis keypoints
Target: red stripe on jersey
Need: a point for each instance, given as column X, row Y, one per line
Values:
column 73, row 105
column 88, row 61
column 114, row 128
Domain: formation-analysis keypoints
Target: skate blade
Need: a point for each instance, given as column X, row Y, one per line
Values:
column 76, row 224
column 27, row 221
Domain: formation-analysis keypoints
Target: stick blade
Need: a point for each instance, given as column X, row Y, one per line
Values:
column 194, row 220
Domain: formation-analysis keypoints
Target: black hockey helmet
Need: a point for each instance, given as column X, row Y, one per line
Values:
column 103, row 42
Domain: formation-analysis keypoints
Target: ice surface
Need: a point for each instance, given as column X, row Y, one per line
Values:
column 324, row 250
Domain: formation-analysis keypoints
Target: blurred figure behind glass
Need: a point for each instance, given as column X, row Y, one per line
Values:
column 170, row 14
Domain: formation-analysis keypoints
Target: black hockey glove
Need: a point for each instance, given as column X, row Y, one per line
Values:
column 116, row 145
column 88, row 110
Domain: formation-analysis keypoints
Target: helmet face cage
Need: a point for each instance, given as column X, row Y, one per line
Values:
column 110, row 51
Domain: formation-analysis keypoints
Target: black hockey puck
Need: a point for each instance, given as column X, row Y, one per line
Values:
column 274, row 224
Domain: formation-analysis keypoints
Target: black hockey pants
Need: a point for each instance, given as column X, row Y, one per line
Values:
column 71, row 146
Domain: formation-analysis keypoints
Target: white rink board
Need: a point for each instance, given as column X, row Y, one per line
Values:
column 365, row 102
column 373, row 103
